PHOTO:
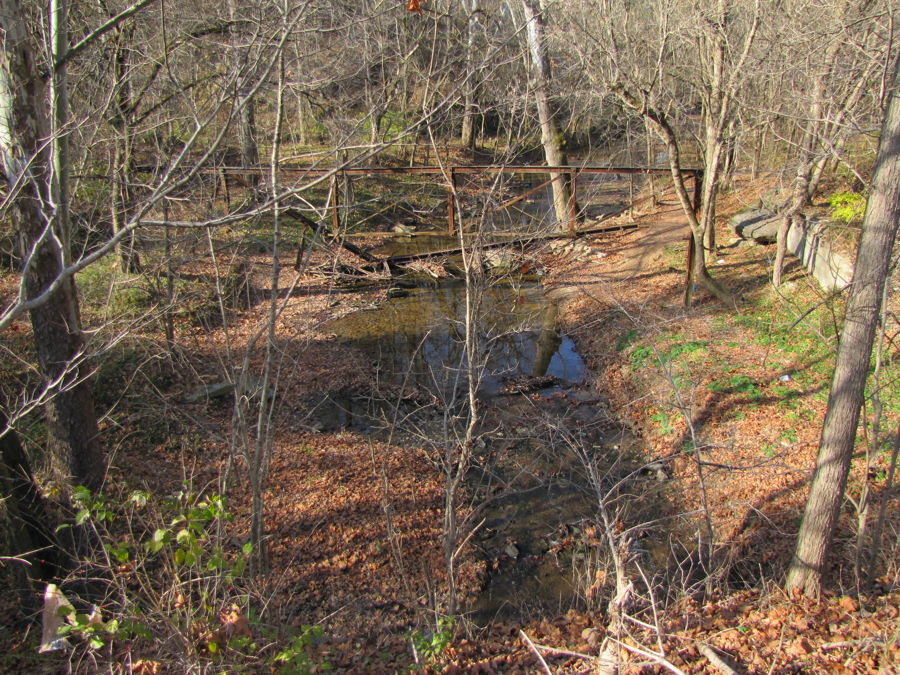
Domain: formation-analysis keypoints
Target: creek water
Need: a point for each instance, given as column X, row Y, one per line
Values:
column 542, row 431
column 419, row 338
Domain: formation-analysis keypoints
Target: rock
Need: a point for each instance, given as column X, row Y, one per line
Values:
column 208, row 391
column 500, row 261
column 658, row 470
column 761, row 225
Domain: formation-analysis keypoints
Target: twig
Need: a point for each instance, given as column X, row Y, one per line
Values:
column 864, row 642
column 565, row 652
column 466, row 541
column 664, row 662
column 720, row 664
column 536, row 652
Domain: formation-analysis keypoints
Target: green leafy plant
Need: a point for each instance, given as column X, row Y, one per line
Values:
column 429, row 646
column 789, row 435
column 737, row 384
column 847, row 207
column 626, row 339
column 664, row 420
column 640, row 356
column 174, row 569
column 294, row 659
column 688, row 347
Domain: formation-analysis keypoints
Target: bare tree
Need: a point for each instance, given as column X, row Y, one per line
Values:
column 831, row 88
column 551, row 133
column 661, row 56
column 851, row 368
column 28, row 163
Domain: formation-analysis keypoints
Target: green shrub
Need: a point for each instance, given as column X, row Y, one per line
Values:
column 847, row 207
column 178, row 591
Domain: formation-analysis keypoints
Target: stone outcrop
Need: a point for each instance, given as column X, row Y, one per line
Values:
column 760, row 225
column 831, row 268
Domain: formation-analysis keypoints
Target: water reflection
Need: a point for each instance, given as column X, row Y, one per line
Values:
column 421, row 338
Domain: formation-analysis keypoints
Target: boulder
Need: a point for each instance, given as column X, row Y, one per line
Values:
column 761, row 225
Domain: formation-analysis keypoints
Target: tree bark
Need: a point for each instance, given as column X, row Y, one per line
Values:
column 851, row 368
column 73, row 444
column 467, row 132
column 122, row 121
column 551, row 134
column 663, row 128
column 246, row 123
column 28, row 525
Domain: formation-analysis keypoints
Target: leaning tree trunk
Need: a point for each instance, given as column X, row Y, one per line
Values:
column 74, row 445
column 851, row 368
column 551, row 134
column 663, row 128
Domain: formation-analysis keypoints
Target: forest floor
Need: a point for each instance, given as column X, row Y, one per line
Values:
column 354, row 524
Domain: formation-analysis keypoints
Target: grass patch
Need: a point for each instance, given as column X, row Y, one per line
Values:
column 103, row 290
column 737, row 384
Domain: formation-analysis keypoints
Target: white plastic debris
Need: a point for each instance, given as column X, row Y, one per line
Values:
column 56, row 605
column 785, row 378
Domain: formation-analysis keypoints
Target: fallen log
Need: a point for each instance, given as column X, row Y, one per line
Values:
column 401, row 259
column 297, row 214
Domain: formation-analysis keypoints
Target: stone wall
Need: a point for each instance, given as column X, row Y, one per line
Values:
column 831, row 268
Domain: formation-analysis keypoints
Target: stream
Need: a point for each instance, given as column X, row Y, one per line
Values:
column 542, row 430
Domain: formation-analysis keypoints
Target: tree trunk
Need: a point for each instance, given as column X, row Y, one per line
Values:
column 467, row 132
column 851, row 368
column 663, row 128
column 123, row 161
column 28, row 523
column 551, row 135
column 799, row 200
column 74, row 445
column 246, row 124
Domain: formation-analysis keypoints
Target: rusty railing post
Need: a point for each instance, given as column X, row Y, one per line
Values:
column 335, row 219
column 573, row 202
column 451, row 204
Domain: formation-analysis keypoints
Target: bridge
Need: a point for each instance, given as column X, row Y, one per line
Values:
column 449, row 174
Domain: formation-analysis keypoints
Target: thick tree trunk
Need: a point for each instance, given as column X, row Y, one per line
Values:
column 551, row 134
column 27, row 524
column 851, row 368
column 74, row 444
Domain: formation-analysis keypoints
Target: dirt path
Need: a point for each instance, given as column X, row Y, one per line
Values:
column 642, row 251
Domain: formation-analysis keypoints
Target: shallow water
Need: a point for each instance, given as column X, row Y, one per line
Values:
column 419, row 339
column 540, row 425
